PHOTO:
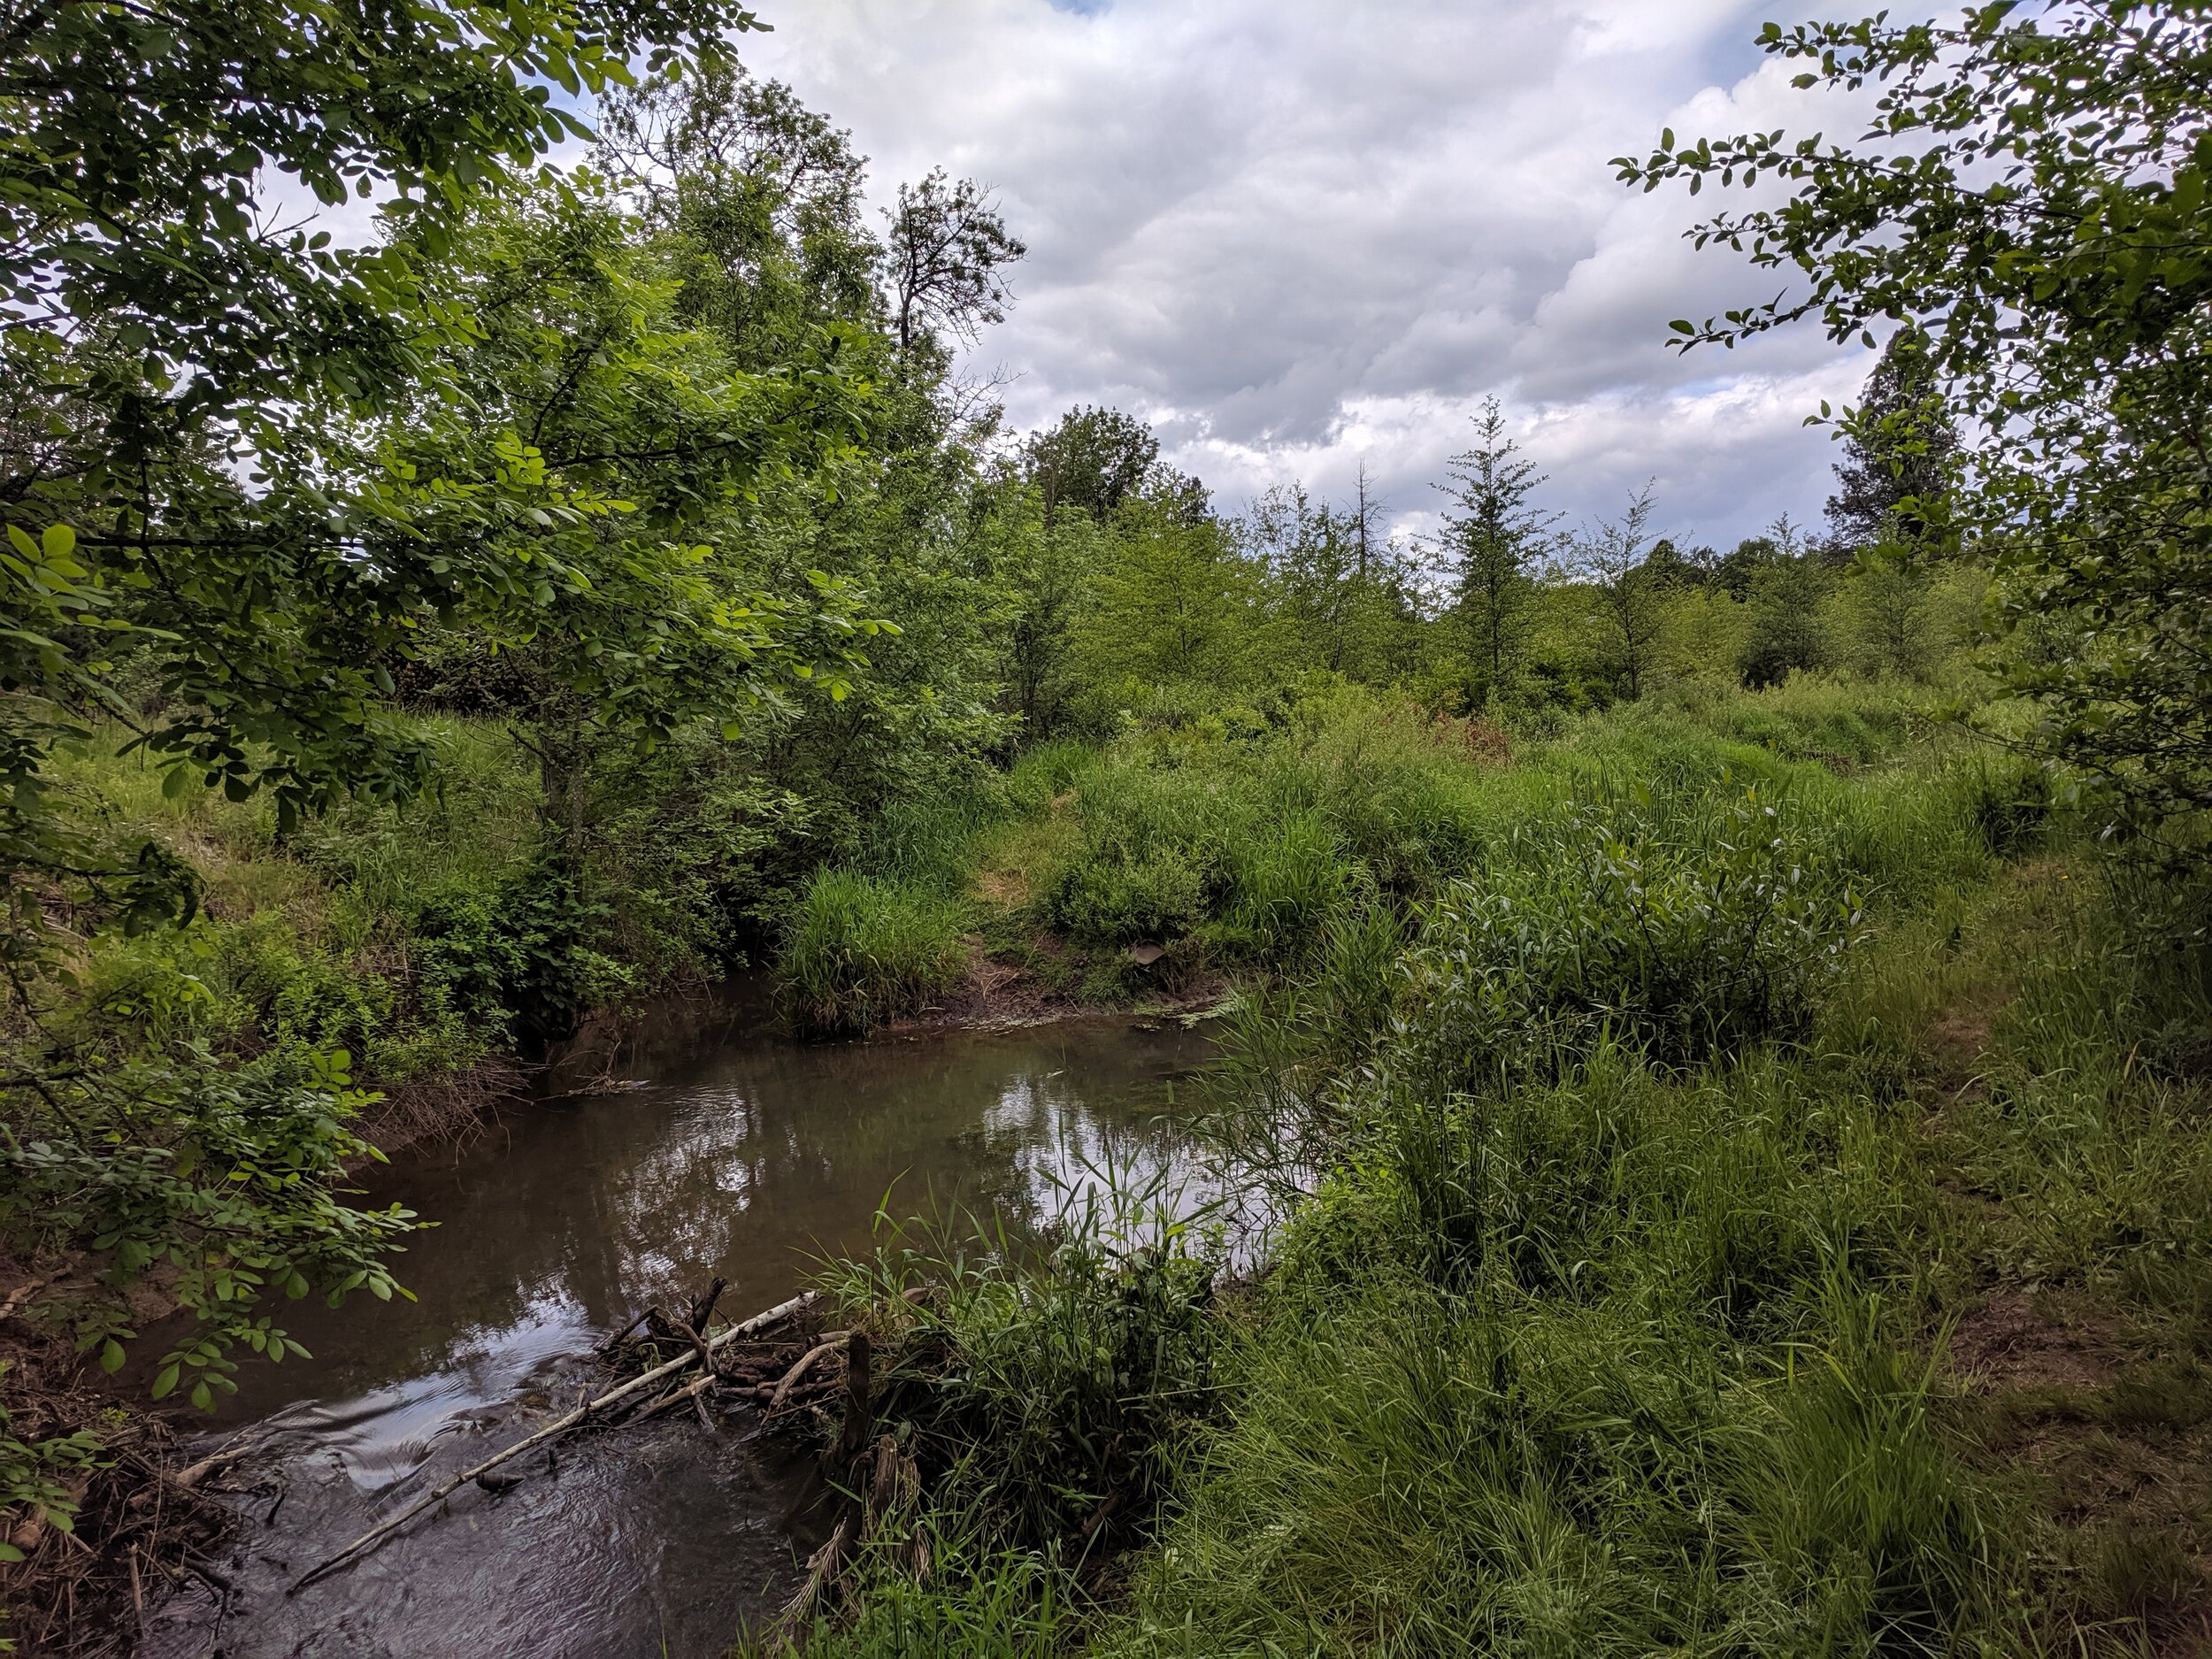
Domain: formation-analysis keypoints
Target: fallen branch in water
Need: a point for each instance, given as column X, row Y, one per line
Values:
column 236, row 1450
column 689, row 1391
column 376, row 1535
column 791, row 1378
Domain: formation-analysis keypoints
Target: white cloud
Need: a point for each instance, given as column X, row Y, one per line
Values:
column 1297, row 234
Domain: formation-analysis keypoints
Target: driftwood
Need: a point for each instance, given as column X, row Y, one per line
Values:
column 798, row 1373
column 376, row 1535
column 676, row 1397
column 702, row 1306
column 859, row 1417
column 235, row 1449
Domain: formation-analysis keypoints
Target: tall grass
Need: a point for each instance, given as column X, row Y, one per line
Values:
column 1617, row 1233
column 863, row 952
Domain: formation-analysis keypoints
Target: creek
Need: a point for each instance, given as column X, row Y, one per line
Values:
column 719, row 1147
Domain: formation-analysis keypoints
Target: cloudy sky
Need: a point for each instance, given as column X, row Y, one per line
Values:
column 1295, row 235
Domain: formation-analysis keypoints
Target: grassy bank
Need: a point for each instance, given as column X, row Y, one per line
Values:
column 1227, row 841
column 1744, row 1192
column 1735, row 1161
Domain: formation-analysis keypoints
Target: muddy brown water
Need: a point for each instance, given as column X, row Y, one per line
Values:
column 732, row 1150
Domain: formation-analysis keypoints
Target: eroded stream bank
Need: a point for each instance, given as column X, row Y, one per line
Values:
column 743, row 1154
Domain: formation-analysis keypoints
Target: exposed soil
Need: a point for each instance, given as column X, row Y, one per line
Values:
column 2103, row 1429
column 2005, row 1343
column 995, row 993
column 140, row 1538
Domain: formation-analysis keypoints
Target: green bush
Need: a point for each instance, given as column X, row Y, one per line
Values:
column 1163, row 898
column 2010, row 805
column 1154, row 860
column 861, row 953
column 1033, row 1385
column 520, row 959
column 1686, row 931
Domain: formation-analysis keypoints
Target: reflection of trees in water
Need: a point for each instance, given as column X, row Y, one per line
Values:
column 741, row 1159
column 1062, row 1147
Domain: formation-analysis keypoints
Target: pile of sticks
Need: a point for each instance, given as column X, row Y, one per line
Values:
column 865, row 1479
column 773, row 1362
column 783, row 1375
column 716, row 1357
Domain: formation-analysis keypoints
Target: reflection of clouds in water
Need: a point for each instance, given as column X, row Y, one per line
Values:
column 1129, row 1168
column 742, row 1157
column 381, row 1437
column 746, row 1159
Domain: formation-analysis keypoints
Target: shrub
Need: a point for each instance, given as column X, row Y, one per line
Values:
column 1155, row 853
column 2009, row 802
column 1119, row 903
column 1031, row 1387
column 521, row 959
column 1408, row 807
column 1783, row 634
column 861, row 953
column 1688, row 933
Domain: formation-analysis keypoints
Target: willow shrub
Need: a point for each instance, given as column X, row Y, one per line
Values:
column 1686, row 929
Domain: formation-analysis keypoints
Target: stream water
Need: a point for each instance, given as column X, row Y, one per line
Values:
column 727, row 1149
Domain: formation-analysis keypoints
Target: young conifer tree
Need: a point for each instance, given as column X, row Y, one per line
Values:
column 1898, row 446
column 1493, row 541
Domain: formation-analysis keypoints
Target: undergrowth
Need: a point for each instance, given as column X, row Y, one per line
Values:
column 1645, row 1118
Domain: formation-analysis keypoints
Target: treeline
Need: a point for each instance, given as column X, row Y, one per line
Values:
column 1151, row 599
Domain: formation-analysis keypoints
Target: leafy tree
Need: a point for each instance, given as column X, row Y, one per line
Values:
column 640, row 442
column 1736, row 572
column 2031, row 194
column 1313, row 557
column 1784, row 594
column 204, row 468
column 163, row 341
column 1672, row 567
column 1347, row 605
column 1176, row 600
column 756, row 200
column 1891, row 601
column 1049, row 566
column 945, row 263
column 1703, row 632
column 1093, row 459
column 1493, row 540
column 1613, row 558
